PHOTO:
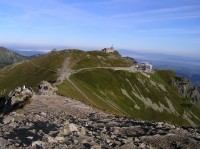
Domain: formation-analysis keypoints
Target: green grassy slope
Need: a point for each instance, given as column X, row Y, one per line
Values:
column 134, row 95
column 119, row 92
column 30, row 73
column 81, row 59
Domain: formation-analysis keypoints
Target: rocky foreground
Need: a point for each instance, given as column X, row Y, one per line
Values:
column 52, row 121
column 54, row 128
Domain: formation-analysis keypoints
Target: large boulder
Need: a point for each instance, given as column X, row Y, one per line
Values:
column 45, row 88
column 17, row 99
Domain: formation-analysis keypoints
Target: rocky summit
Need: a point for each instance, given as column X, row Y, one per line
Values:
column 52, row 121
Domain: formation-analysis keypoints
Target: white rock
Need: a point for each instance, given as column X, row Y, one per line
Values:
column 43, row 114
column 73, row 128
column 143, row 146
column 137, row 140
column 66, row 123
column 159, row 126
column 8, row 119
column 30, row 137
column 37, row 117
column 83, row 132
column 160, row 123
column 40, row 143
column 60, row 139
column 18, row 89
column 108, row 141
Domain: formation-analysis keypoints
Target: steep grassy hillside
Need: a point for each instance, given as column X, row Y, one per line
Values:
column 8, row 57
column 133, row 95
column 30, row 73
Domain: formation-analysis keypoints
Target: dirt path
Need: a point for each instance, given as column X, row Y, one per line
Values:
column 130, row 69
column 64, row 72
column 46, row 103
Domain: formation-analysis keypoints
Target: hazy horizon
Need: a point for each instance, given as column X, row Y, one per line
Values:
column 168, row 27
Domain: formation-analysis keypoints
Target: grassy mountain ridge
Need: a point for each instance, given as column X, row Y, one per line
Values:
column 8, row 57
column 114, row 91
column 32, row 72
column 81, row 59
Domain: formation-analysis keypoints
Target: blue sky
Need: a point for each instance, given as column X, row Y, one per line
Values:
column 171, row 26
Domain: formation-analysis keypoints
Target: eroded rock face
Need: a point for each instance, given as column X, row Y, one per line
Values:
column 16, row 99
column 187, row 89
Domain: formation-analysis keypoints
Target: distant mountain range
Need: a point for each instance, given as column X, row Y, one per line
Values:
column 8, row 57
column 183, row 66
column 29, row 53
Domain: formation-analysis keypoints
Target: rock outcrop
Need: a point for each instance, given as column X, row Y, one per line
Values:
column 16, row 99
column 130, row 59
column 45, row 88
column 187, row 89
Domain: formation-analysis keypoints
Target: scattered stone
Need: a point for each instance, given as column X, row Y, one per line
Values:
column 37, row 117
column 30, row 138
column 96, row 147
column 49, row 139
column 118, row 143
column 83, row 132
column 142, row 146
column 73, row 128
column 43, row 114
column 60, row 139
column 44, row 125
column 39, row 143
column 75, row 142
column 8, row 119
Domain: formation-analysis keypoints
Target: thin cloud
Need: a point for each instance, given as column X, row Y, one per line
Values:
column 158, row 11
column 173, row 31
column 168, row 18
